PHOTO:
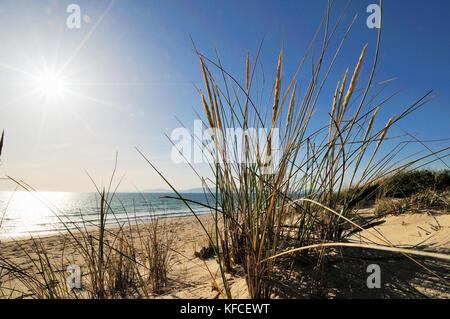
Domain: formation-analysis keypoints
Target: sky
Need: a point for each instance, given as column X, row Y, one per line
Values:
column 130, row 72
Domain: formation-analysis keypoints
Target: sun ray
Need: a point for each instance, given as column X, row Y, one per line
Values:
column 15, row 69
column 41, row 127
column 92, row 99
column 18, row 99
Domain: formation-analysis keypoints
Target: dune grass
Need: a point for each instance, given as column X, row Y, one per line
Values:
column 426, row 199
column 114, row 263
column 302, row 202
column 254, row 197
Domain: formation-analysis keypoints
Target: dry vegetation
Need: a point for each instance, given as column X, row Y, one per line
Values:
column 413, row 191
column 120, row 262
column 323, row 176
column 262, row 222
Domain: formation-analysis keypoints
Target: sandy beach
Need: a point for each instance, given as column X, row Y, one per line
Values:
column 190, row 277
column 186, row 153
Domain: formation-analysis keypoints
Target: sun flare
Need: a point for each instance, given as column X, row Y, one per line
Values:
column 50, row 84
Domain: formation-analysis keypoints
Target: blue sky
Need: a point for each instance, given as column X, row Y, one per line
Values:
column 137, row 71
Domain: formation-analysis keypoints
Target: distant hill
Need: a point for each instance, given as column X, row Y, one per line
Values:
column 193, row 190
column 157, row 190
column 190, row 190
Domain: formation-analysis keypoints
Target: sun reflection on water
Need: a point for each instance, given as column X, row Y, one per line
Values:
column 39, row 213
column 25, row 212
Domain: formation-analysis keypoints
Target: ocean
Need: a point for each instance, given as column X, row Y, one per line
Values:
column 41, row 213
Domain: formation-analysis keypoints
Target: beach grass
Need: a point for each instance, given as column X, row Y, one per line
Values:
column 299, row 204
column 340, row 160
column 114, row 263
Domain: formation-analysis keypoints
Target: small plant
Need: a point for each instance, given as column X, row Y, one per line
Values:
column 425, row 199
column 44, row 278
column 430, row 199
column 157, row 248
column 206, row 246
column 121, row 265
column 385, row 206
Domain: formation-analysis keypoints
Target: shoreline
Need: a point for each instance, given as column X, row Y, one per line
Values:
column 51, row 233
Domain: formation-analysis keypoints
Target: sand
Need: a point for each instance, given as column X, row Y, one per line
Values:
column 344, row 277
column 188, row 277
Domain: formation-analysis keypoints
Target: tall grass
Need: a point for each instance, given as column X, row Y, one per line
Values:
column 115, row 262
column 265, row 206
column 1, row 142
column 256, row 198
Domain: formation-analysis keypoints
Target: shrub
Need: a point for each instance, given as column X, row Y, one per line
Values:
column 405, row 184
column 430, row 199
column 385, row 206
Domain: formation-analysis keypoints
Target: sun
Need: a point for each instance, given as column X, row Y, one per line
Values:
column 50, row 84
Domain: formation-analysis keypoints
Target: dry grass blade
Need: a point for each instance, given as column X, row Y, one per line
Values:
column 366, row 246
column 1, row 142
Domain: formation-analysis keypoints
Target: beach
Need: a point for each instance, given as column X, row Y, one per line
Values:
column 188, row 278
column 191, row 277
